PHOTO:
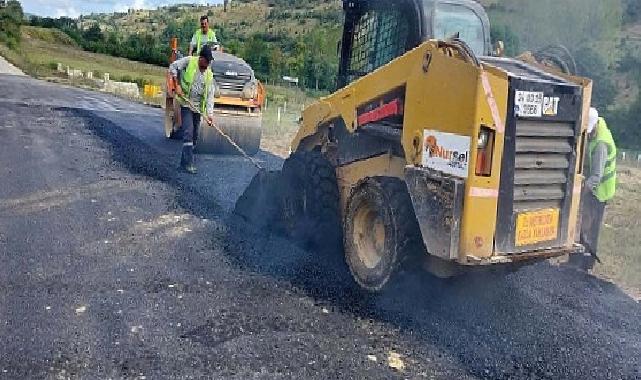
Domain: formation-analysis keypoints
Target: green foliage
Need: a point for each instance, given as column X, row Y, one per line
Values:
column 53, row 36
column 93, row 34
column 572, row 23
column 590, row 29
column 591, row 63
column 256, row 52
column 624, row 122
column 10, row 21
column 139, row 47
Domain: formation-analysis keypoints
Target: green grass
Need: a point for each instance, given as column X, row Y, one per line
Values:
column 291, row 101
column 42, row 49
column 619, row 244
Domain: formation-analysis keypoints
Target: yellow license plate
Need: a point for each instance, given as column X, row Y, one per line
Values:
column 537, row 227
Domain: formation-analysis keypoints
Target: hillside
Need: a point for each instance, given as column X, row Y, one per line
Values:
column 42, row 49
column 276, row 20
column 299, row 38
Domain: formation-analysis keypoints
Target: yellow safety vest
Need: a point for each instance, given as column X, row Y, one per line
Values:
column 188, row 80
column 211, row 37
column 607, row 188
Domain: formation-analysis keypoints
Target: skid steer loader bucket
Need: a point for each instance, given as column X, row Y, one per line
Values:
column 259, row 204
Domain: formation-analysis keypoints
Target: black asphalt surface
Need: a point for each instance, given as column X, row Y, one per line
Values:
column 114, row 265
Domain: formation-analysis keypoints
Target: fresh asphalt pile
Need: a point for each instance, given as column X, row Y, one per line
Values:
column 117, row 265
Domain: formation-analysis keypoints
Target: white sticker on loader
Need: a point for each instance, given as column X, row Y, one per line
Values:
column 528, row 104
column 446, row 152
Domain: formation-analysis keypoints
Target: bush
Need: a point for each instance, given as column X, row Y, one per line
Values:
column 10, row 22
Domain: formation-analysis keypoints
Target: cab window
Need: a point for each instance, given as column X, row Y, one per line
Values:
column 379, row 36
column 451, row 20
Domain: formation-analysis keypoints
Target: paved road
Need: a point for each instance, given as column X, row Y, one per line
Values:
column 7, row 68
column 116, row 266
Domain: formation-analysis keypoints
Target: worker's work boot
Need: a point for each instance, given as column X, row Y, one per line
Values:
column 187, row 160
column 191, row 169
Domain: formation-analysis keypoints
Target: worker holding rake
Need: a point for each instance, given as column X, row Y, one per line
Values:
column 195, row 93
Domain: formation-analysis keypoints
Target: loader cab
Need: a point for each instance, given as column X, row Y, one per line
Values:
column 378, row 31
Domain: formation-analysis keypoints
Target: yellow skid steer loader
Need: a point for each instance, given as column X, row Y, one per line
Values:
column 432, row 149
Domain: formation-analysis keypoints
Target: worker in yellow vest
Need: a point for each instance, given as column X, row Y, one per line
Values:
column 196, row 88
column 203, row 36
column 600, row 184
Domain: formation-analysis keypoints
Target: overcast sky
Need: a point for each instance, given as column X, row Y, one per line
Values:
column 74, row 8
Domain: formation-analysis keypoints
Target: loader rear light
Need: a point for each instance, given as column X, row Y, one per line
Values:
column 484, row 152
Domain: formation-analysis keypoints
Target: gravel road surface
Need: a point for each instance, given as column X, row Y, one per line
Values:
column 114, row 265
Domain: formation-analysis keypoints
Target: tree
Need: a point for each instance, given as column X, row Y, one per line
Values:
column 93, row 34
column 257, row 53
column 588, row 28
column 10, row 22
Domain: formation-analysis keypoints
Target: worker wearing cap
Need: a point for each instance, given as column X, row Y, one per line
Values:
column 202, row 37
column 196, row 90
column 600, row 184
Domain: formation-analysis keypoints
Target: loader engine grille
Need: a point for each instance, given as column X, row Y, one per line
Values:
column 542, row 164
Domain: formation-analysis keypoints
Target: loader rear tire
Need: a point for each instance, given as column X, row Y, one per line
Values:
column 381, row 231
column 245, row 131
column 309, row 202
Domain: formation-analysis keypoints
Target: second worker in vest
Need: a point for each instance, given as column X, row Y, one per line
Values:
column 197, row 86
column 203, row 36
column 599, row 188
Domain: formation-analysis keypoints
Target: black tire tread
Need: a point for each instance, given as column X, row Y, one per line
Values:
column 408, row 233
column 407, row 239
column 318, row 176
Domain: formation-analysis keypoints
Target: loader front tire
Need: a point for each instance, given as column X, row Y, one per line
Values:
column 309, row 202
column 380, row 231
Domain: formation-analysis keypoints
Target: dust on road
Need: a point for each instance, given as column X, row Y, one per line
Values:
column 116, row 265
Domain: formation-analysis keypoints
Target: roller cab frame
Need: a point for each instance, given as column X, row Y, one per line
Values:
column 239, row 99
column 489, row 149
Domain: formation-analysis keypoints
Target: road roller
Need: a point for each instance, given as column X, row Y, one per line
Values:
column 239, row 99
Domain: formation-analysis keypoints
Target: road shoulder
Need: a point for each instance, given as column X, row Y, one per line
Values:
column 7, row 68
